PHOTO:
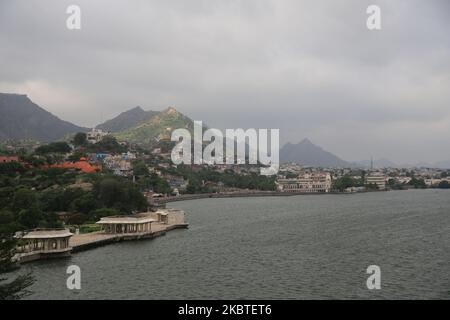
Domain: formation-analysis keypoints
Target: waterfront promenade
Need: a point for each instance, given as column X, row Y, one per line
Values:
column 246, row 194
column 52, row 243
column 80, row 242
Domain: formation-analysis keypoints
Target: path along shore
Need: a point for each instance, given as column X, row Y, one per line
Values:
column 85, row 241
column 53, row 243
column 185, row 197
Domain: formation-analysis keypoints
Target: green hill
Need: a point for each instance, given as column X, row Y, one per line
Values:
column 156, row 128
column 127, row 120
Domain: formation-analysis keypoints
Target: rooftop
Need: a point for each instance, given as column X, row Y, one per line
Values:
column 47, row 233
column 128, row 219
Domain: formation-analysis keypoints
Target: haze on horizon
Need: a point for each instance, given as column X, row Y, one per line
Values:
column 310, row 68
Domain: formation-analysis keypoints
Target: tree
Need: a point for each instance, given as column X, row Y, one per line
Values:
column 84, row 204
column 77, row 218
column 140, row 168
column 76, row 156
column 56, row 147
column 107, row 144
column 109, row 191
column 11, row 168
column 80, row 139
column 31, row 218
column 417, row 183
column 16, row 288
column 194, row 186
column 343, row 183
column 24, row 199
column 117, row 193
column 103, row 212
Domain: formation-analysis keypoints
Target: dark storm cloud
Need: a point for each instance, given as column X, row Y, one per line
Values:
column 310, row 68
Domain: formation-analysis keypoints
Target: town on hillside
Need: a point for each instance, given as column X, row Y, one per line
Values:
column 94, row 174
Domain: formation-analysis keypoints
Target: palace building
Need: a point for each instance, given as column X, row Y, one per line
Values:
column 314, row 182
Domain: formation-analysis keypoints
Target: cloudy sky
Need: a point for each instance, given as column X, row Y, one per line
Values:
column 310, row 68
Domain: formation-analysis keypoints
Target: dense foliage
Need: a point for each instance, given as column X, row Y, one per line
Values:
column 347, row 181
column 11, row 287
column 207, row 180
column 34, row 196
column 54, row 147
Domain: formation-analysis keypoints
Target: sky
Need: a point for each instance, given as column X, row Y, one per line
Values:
column 309, row 68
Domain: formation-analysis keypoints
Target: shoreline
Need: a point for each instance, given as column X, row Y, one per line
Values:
column 247, row 195
column 145, row 226
column 123, row 237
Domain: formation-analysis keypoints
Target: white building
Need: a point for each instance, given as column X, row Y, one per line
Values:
column 307, row 182
column 119, row 165
column 377, row 178
column 96, row 135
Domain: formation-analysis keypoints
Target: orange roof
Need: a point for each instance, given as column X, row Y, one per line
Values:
column 81, row 165
column 8, row 158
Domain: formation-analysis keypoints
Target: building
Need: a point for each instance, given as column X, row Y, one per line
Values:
column 156, row 151
column 96, row 135
column 378, row 179
column 177, row 182
column 131, row 224
column 81, row 165
column 141, row 223
column 313, row 182
column 120, row 165
column 6, row 159
column 43, row 243
column 169, row 216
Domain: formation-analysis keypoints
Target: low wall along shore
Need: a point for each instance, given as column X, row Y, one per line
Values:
column 185, row 197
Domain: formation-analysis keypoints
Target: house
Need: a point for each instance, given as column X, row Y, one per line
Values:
column 96, row 135
column 177, row 182
column 81, row 165
column 119, row 165
column 6, row 159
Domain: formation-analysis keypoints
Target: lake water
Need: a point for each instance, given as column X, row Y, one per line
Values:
column 300, row 247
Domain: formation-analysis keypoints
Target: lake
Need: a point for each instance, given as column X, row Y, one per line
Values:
column 299, row 247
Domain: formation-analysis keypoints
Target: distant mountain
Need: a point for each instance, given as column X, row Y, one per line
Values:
column 20, row 118
column 127, row 119
column 309, row 154
column 157, row 127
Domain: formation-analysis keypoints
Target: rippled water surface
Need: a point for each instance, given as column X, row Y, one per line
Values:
column 300, row 247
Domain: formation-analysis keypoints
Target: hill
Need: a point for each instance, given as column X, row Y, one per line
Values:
column 157, row 127
column 127, row 120
column 309, row 154
column 20, row 118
